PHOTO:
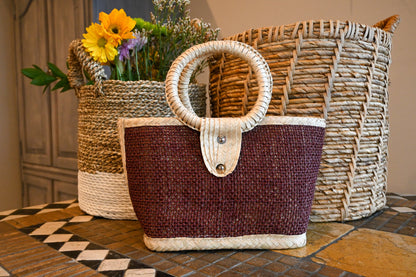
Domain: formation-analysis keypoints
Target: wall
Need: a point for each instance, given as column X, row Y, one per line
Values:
column 10, row 183
column 133, row 8
column 235, row 16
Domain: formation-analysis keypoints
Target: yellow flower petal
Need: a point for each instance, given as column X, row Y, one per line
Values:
column 117, row 24
column 100, row 45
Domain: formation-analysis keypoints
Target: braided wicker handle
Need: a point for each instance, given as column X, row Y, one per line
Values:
column 202, row 51
column 389, row 24
column 78, row 61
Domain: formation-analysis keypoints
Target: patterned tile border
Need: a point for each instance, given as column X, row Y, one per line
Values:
column 39, row 209
column 69, row 238
column 96, row 257
column 3, row 272
column 110, row 257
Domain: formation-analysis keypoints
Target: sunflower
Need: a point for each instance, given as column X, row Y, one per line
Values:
column 100, row 44
column 118, row 24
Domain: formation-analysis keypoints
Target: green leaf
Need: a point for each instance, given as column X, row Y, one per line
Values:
column 56, row 71
column 44, row 89
column 31, row 72
column 37, row 67
column 65, row 88
column 59, row 85
column 64, row 84
column 43, row 80
column 88, row 76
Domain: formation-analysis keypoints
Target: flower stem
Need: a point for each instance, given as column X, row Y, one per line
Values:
column 137, row 63
column 129, row 69
column 146, row 63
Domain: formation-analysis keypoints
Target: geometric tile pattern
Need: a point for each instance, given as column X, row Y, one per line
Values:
column 39, row 209
column 102, row 260
column 199, row 263
column 115, row 247
column 3, row 272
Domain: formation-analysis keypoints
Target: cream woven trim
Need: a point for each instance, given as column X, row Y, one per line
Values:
column 220, row 157
column 268, row 120
column 105, row 194
column 243, row 242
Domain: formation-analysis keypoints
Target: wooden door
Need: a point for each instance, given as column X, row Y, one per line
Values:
column 48, row 121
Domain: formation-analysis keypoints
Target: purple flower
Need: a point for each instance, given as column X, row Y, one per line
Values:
column 136, row 43
column 124, row 52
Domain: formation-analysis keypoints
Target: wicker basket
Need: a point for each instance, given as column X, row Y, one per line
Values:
column 102, row 188
column 331, row 69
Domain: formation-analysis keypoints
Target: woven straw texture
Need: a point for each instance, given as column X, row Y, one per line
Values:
column 330, row 69
column 244, row 242
column 270, row 191
column 102, row 190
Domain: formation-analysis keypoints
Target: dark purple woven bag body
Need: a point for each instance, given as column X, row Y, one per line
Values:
column 190, row 190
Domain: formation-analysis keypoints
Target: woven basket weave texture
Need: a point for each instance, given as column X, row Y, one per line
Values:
column 330, row 69
column 102, row 189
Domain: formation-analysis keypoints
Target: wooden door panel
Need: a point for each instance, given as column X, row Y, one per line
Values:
column 34, row 106
column 67, row 22
column 38, row 190
column 64, row 191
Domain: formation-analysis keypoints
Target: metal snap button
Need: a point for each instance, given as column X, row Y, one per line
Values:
column 220, row 168
column 221, row 139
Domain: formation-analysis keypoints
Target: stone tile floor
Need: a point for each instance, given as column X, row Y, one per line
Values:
column 60, row 240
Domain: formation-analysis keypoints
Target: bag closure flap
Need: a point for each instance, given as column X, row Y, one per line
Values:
column 220, row 140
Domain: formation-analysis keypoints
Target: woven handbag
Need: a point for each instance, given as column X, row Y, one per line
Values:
column 102, row 187
column 330, row 69
column 221, row 183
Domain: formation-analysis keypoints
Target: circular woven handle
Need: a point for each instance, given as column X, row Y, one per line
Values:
column 201, row 51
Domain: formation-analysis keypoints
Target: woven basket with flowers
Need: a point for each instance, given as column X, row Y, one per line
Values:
column 136, row 54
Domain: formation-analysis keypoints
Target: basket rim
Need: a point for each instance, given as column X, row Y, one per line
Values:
column 107, row 84
column 150, row 82
column 321, row 29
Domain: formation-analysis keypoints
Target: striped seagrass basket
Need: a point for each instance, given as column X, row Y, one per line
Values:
column 331, row 69
column 102, row 186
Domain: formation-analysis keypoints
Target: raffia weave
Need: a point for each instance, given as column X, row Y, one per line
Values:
column 270, row 191
column 331, row 69
column 102, row 189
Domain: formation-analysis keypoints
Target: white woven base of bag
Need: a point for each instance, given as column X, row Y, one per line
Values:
column 105, row 194
column 243, row 242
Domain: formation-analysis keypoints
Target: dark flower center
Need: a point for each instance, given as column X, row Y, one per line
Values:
column 102, row 42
